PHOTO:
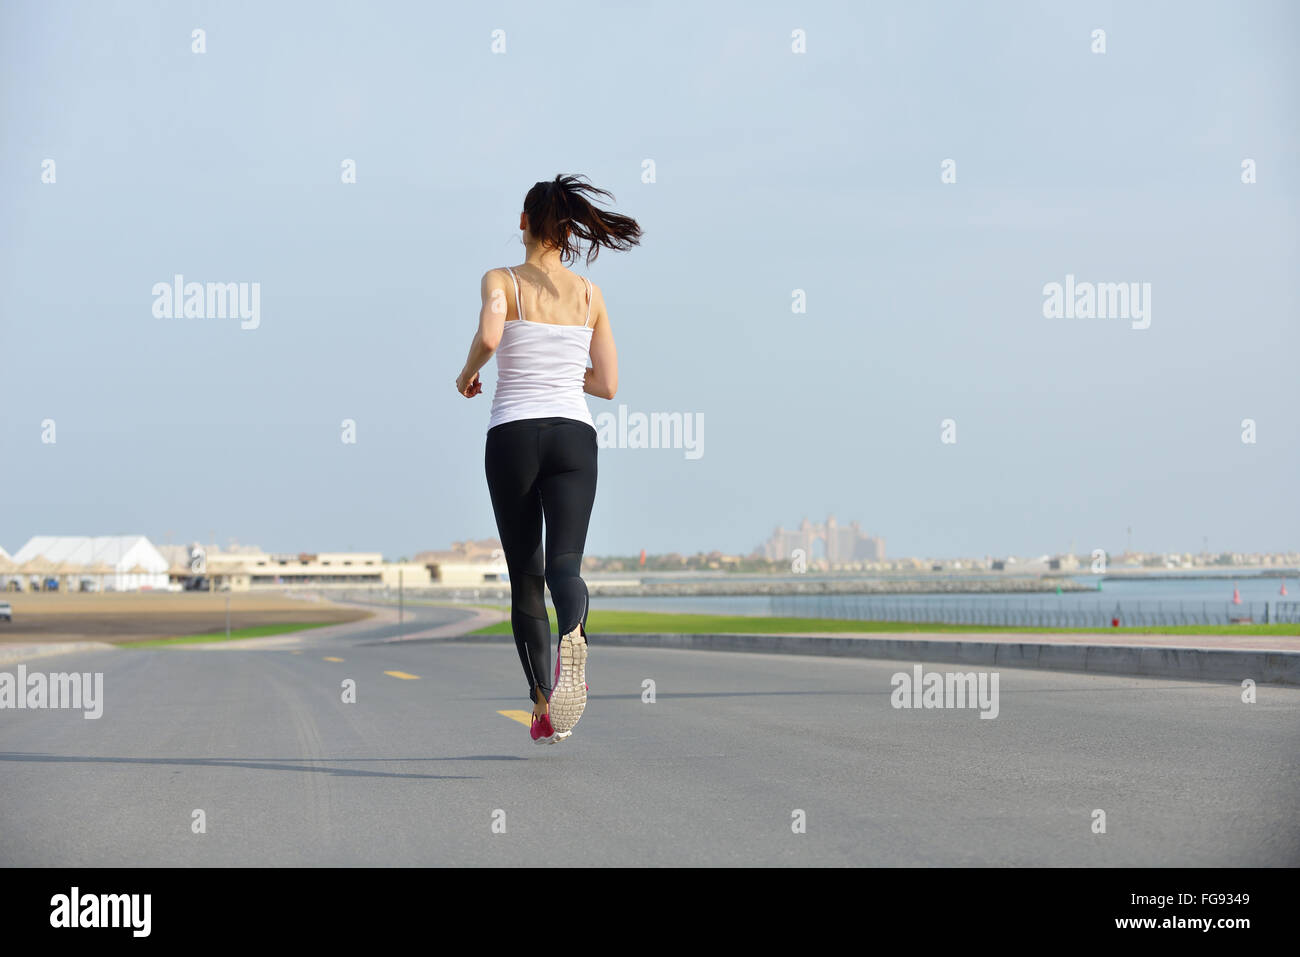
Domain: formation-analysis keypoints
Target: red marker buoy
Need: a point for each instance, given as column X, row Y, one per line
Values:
column 1236, row 595
column 1283, row 591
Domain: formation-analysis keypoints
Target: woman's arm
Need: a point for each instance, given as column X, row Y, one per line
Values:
column 602, row 378
column 491, row 323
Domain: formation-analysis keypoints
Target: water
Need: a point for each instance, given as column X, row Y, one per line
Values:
column 1216, row 592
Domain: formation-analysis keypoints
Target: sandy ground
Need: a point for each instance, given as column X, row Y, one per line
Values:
column 126, row 616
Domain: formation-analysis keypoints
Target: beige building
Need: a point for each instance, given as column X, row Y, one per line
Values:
column 467, row 563
column 470, row 573
column 357, row 569
column 248, row 567
column 470, row 551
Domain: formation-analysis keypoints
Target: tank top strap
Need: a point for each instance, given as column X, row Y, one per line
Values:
column 588, row 282
column 519, row 306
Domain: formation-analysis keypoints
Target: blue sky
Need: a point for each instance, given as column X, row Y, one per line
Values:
column 774, row 172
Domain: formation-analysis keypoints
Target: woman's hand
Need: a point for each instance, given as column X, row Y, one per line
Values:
column 468, row 385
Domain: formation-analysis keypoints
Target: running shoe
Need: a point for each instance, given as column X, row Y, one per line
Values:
column 542, row 731
column 569, row 698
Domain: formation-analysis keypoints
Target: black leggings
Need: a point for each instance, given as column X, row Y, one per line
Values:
column 535, row 468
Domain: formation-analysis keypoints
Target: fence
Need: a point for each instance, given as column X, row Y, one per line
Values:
column 1286, row 611
column 1033, row 612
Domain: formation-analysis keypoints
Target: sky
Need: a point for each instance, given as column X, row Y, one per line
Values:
column 780, row 179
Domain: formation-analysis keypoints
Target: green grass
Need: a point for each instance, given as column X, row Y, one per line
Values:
column 638, row 622
column 259, row 631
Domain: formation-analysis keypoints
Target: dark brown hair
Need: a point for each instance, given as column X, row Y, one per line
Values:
column 560, row 214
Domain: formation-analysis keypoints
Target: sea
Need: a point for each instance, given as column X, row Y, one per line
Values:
column 1251, row 588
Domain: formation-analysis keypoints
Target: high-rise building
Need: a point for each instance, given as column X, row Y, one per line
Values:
column 840, row 543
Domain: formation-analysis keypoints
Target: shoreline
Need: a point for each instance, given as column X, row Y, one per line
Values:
column 715, row 588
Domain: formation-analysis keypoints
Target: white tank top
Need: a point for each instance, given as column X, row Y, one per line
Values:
column 541, row 368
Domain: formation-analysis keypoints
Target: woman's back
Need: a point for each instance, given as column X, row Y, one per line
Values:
column 560, row 298
column 542, row 362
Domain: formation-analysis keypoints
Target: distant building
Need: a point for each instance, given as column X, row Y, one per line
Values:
column 467, row 563
column 468, row 551
column 111, row 562
column 246, row 567
column 842, row 543
column 311, row 568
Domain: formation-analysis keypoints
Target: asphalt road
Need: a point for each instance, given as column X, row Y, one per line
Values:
column 417, row 770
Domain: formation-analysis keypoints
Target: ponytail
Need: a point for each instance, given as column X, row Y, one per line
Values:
column 561, row 215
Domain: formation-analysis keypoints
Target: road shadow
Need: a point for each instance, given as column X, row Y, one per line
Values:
column 266, row 764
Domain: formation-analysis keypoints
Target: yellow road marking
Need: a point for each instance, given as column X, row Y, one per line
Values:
column 295, row 652
column 333, row 659
column 403, row 674
column 523, row 717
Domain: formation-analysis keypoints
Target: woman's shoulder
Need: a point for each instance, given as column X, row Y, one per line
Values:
column 585, row 281
column 498, row 277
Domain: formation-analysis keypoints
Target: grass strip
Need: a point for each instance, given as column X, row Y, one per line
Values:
column 638, row 622
column 257, row 631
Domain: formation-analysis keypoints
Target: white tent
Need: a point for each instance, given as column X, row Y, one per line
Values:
column 121, row 552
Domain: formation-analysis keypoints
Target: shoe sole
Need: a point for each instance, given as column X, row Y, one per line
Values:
column 569, row 697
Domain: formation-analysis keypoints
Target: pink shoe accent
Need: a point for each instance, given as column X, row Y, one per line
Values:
column 541, row 728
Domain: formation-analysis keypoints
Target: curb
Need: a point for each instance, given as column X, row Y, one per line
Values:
column 264, row 643
column 1194, row 664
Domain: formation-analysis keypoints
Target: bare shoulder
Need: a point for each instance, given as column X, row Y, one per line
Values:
column 599, row 314
column 498, row 276
column 496, row 283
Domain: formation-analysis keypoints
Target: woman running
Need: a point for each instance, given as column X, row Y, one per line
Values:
column 541, row 442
